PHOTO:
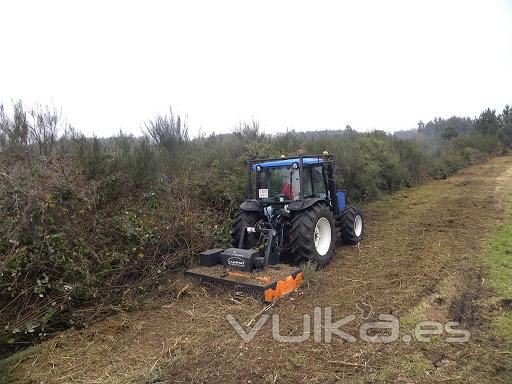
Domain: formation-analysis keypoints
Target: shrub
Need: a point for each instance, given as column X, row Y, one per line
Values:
column 15, row 130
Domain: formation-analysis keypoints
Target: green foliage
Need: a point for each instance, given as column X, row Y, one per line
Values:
column 36, row 130
column 135, row 156
column 412, row 158
column 15, row 130
column 91, row 156
column 449, row 132
column 448, row 128
column 70, row 238
column 506, row 127
column 170, row 135
column 168, row 131
column 310, row 272
column 487, row 123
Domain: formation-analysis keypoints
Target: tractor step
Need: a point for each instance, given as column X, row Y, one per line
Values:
column 267, row 285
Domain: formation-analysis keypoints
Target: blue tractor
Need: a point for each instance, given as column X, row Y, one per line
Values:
column 293, row 213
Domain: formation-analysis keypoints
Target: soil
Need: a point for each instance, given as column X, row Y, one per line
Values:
column 420, row 260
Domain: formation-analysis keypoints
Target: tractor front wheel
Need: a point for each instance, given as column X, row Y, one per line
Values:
column 313, row 235
column 352, row 225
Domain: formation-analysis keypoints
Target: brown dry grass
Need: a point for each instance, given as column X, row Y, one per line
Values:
column 419, row 261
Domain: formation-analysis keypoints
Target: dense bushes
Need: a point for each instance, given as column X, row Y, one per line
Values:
column 101, row 221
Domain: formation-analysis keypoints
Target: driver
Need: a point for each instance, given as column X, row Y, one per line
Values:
column 287, row 191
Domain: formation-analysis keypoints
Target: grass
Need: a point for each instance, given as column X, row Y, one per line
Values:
column 8, row 363
column 503, row 326
column 499, row 262
column 415, row 365
column 499, row 257
column 415, row 315
column 408, row 368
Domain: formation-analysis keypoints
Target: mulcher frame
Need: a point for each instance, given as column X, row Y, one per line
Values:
column 263, row 292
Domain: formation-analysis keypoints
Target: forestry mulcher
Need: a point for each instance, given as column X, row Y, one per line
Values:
column 293, row 214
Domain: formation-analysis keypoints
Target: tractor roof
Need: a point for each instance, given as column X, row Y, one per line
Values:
column 288, row 162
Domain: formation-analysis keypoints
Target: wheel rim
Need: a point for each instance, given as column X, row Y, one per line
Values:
column 358, row 225
column 322, row 236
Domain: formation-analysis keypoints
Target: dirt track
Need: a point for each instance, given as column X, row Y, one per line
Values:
column 419, row 261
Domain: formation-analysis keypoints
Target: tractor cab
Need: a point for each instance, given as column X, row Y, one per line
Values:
column 281, row 180
column 301, row 181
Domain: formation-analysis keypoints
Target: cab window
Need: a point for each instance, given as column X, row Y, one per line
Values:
column 279, row 181
column 314, row 182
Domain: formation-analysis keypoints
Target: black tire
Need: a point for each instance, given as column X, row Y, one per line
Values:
column 352, row 231
column 244, row 219
column 302, row 235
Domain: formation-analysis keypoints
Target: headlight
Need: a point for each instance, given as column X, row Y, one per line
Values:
column 258, row 168
column 295, row 165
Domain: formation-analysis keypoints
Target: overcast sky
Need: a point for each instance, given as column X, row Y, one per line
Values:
column 303, row 65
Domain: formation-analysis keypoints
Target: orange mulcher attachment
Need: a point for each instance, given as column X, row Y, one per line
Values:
column 254, row 271
column 284, row 287
column 283, row 280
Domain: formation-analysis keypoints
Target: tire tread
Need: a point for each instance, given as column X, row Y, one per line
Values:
column 302, row 235
column 348, row 217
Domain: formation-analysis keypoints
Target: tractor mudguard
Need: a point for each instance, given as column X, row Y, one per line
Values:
column 299, row 205
column 251, row 206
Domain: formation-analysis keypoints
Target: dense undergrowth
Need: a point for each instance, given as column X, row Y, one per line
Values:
column 92, row 225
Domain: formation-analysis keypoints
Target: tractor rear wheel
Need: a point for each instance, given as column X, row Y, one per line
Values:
column 244, row 219
column 352, row 225
column 313, row 235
